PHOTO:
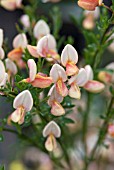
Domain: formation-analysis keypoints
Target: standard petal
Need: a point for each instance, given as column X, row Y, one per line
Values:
column 1, row 37
column 94, row 86
column 2, row 54
column 58, row 72
column 20, row 41
column 110, row 66
column 2, row 71
column 33, row 51
column 50, row 143
column 69, row 54
column 10, row 66
column 23, row 99
column 57, row 109
column 25, row 20
column 41, row 29
column 52, row 128
column 32, row 69
column 3, row 83
column 89, row 72
column 74, row 91
column 81, row 78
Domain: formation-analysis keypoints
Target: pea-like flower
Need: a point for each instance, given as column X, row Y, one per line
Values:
column 39, row 80
column 54, row 101
column 51, row 131
column 19, row 44
column 92, row 85
column 11, row 4
column 22, row 103
column 59, row 77
column 77, row 81
column 107, row 76
column 89, row 4
column 69, row 59
column 46, row 47
column 25, row 20
column 41, row 29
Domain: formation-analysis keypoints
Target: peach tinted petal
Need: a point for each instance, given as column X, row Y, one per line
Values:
column 23, row 99
column 32, row 69
column 61, row 88
column 71, row 69
column 33, row 51
column 69, row 54
column 41, row 29
column 52, row 128
column 74, row 91
column 105, row 77
column 94, row 86
column 50, row 143
column 15, row 54
column 42, row 81
column 57, row 109
column 88, row 4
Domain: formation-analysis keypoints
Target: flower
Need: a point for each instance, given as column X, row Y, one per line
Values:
column 90, row 17
column 2, row 54
column 33, row 51
column 92, row 85
column 41, row 29
column 19, row 44
column 11, row 4
column 69, row 58
column 107, row 76
column 54, row 101
column 77, row 81
column 51, row 131
column 46, row 47
column 25, row 20
column 59, row 76
column 89, row 4
column 10, row 67
column 39, row 80
column 22, row 103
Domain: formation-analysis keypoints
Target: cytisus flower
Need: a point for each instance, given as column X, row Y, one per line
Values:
column 90, row 17
column 41, row 29
column 22, row 103
column 33, row 51
column 19, row 44
column 39, row 80
column 92, row 85
column 69, row 59
column 2, row 54
column 89, row 4
column 11, row 4
column 107, row 76
column 54, row 101
column 59, row 77
column 46, row 47
column 51, row 131
column 11, row 68
column 77, row 81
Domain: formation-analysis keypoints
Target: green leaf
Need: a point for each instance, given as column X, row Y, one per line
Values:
column 2, row 167
column 1, row 138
